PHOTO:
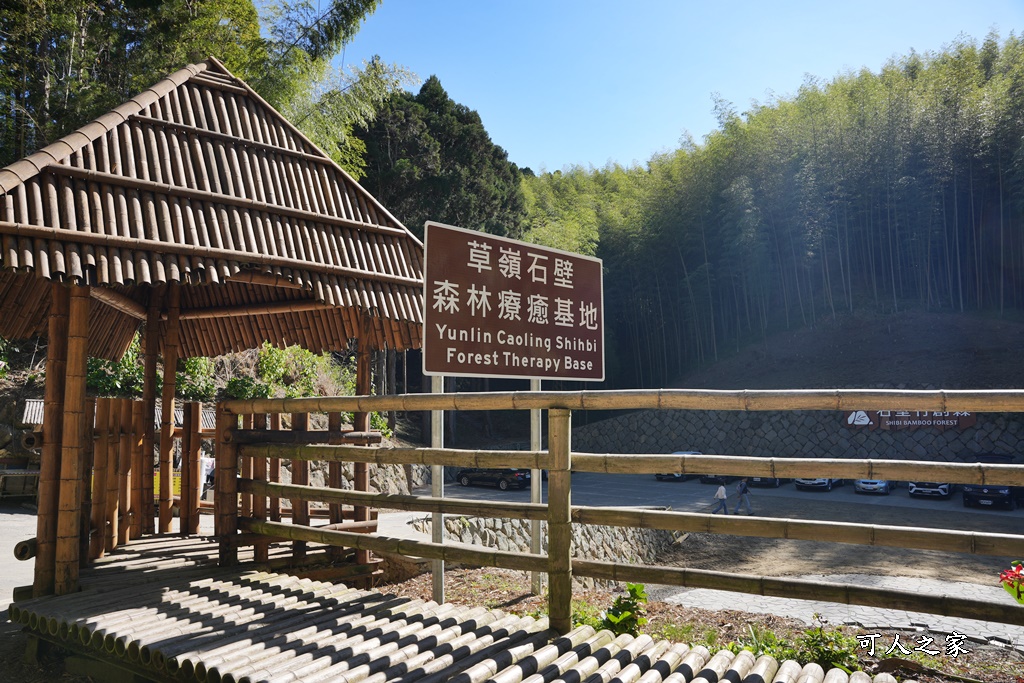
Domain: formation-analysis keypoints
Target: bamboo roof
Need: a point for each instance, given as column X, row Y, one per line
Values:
column 198, row 182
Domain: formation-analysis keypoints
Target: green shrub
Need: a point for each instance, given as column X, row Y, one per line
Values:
column 828, row 648
column 626, row 615
column 194, row 380
column 121, row 378
column 246, row 388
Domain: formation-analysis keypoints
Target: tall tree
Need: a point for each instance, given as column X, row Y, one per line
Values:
column 429, row 158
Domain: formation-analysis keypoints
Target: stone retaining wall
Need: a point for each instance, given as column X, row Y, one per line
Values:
column 604, row 543
column 795, row 434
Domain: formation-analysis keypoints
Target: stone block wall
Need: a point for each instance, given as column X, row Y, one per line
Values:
column 795, row 434
column 604, row 543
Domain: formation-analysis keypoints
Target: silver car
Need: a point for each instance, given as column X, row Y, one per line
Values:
column 873, row 486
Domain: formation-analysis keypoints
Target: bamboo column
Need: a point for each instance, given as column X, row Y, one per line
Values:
column 49, row 467
column 334, row 481
column 101, row 460
column 300, row 476
column 560, row 520
column 149, row 412
column 125, row 475
column 361, row 423
column 226, row 488
column 138, row 497
column 261, row 551
column 167, row 408
column 195, row 491
column 84, row 475
column 70, row 506
column 274, row 473
column 113, row 436
column 245, row 464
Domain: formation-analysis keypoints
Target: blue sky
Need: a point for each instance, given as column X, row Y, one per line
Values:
column 576, row 82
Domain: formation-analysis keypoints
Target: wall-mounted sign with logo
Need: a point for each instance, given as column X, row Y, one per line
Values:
column 497, row 307
column 909, row 419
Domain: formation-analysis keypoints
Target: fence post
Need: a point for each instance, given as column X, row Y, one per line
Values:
column 226, row 487
column 560, row 521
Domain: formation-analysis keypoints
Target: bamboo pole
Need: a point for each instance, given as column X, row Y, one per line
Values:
column 560, row 521
column 334, row 480
column 331, row 436
column 361, row 419
column 469, row 508
column 84, row 474
column 996, row 400
column 113, row 435
column 226, row 488
column 397, row 456
column 167, row 407
column 261, row 552
column 101, row 460
column 245, row 467
column 274, row 473
column 70, row 511
column 50, row 465
column 195, row 412
column 300, row 477
column 138, row 498
column 853, row 468
column 125, row 474
column 946, row 605
column 971, row 542
column 149, row 411
column 368, row 542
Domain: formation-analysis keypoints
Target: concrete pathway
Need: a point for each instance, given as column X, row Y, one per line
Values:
column 870, row 619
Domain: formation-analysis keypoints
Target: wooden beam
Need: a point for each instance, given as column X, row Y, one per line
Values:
column 119, row 302
column 361, row 419
column 53, row 422
column 72, row 447
column 276, row 308
column 266, row 279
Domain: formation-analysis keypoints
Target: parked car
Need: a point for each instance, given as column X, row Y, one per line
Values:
column 502, row 478
column 929, row 489
column 717, row 478
column 992, row 495
column 873, row 486
column 815, row 484
column 772, row 482
column 676, row 476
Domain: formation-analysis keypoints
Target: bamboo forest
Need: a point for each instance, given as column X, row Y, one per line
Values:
column 881, row 191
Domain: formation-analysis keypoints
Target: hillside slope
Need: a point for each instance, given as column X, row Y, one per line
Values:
column 912, row 350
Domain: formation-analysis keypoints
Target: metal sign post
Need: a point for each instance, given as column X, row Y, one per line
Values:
column 437, row 488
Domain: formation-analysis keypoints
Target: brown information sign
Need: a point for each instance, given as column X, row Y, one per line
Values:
column 910, row 419
column 497, row 307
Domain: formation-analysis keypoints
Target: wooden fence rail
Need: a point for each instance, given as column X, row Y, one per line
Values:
column 305, row 446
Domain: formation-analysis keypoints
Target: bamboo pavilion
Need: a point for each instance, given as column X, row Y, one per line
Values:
column 196, row 213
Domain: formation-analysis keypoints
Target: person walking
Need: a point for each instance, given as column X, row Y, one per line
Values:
column 744, row 493
column 720, row 496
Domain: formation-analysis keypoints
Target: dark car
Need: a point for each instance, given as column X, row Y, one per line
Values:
column 676, row 476
column 502, row 478
column 992, row 495
column 717, row 479
column 771, row 482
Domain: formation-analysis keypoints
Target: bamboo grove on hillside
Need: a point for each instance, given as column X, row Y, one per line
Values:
column 872, row 191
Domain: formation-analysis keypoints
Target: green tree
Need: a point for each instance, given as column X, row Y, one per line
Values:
column 429, row 158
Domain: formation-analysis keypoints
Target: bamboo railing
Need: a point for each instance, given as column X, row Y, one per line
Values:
column 301, row 447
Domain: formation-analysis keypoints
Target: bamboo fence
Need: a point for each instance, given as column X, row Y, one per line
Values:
column 303, row 446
